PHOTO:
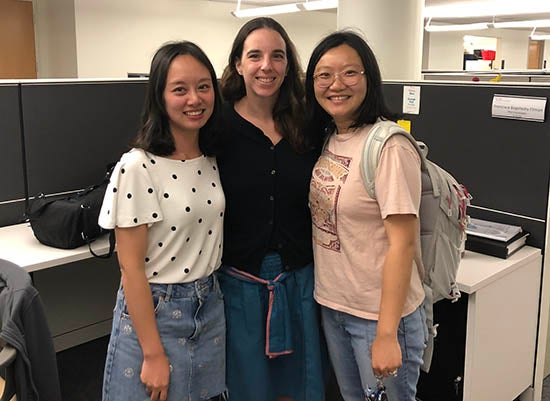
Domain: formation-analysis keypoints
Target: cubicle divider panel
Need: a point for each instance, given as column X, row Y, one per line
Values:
column 12, row 180
column 504, row 163
column 73, row 130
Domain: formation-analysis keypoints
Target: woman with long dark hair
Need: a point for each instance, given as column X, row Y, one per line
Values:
column 166, row 206
column 273, row 350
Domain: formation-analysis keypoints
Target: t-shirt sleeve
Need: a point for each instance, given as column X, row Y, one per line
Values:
column 398, row 182
column 131, row 197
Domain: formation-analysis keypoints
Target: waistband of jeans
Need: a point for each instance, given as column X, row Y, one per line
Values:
column 198, row 287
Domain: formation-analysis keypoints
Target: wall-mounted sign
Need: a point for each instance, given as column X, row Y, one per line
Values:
column 411, row 99
column 529, row 108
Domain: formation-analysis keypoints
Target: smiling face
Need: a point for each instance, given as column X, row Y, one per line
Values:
column 340, row 101
column 188, row 95
column 263, row 63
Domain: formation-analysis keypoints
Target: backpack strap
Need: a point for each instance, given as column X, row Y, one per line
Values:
column 377, row 137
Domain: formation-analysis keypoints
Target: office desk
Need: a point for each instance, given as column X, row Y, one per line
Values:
column 78, row 290
column 501, row 327
column 19, row 245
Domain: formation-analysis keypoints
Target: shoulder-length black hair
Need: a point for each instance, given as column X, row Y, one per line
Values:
column 288, row 112
column 373, row 105
column 154, row 135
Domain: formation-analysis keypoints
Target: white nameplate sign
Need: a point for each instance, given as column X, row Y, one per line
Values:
column 527, row 108
column 411, row 99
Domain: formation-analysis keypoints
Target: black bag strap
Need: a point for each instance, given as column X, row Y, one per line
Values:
column 36, row 205
column 111, row 246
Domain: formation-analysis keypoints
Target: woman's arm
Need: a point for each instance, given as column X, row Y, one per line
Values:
column 131, row 250
column 401, row 230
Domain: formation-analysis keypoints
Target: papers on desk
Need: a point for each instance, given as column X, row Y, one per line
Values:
column 492, row 230
column 492, row 247
column 495, row 239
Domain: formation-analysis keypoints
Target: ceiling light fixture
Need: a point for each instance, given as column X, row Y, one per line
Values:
column 318, row 5
column 539, row 23
column 487, row 8
column 261, row 11
column 460, row 27
column 284, row 8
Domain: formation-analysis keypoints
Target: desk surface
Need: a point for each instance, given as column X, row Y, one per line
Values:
column 477, row 270
column 19, row 245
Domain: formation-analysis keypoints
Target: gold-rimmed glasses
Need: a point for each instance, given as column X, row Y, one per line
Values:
column 349, row 77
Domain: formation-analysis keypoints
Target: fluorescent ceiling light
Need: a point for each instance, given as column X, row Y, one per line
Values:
column 460, row 27
column 523, row 24
column 269, row 10
column 318, row 5
column 540, row 37
column 487, row 8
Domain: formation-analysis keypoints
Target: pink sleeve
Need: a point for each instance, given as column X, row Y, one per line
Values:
column 398, row 183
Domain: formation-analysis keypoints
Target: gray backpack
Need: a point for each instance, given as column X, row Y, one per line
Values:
column 443, row 221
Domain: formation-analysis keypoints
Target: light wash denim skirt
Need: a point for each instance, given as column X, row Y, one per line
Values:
column 191, row 323
column 273, row 334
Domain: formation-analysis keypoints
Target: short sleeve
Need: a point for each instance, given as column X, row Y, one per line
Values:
column 398, row 182
column 131, row 197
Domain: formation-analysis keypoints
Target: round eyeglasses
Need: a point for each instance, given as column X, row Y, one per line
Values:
column 347, row 77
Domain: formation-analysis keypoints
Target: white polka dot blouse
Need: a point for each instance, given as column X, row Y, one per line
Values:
column 182, row 203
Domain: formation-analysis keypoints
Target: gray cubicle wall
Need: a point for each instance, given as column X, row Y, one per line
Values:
column 504, row 163
column 74, row 129
column 12, row 181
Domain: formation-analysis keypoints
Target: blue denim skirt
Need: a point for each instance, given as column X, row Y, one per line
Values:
column 191, row 323
column 251, row 374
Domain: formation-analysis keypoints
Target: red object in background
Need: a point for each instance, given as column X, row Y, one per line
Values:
column 475, row 79
column 488, row 54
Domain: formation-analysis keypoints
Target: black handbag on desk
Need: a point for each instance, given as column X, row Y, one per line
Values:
column 71, row 221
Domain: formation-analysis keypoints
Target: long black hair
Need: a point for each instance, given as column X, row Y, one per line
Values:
column 373, row 105
column 288, row 113
column 154, row 135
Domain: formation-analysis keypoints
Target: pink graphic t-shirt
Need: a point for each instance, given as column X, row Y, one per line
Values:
column 349, row 238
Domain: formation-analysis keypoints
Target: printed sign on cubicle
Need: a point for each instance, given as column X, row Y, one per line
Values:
column 528, row 108
column 411, row 99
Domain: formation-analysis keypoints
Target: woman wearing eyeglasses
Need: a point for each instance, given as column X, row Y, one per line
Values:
column 366, row 282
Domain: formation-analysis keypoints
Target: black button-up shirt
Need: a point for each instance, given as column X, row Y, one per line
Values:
column 266, row 190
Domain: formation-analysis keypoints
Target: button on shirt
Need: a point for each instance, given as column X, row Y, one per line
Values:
column 266, row 188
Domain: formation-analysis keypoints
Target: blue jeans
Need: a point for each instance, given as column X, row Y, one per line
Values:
column 349, row 339
column 191, row 323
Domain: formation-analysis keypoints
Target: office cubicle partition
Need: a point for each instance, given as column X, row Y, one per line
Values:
column 504, row 163
column 12, row 181
column 73, row 130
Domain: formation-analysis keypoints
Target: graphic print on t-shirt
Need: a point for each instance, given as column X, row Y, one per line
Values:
column 329, row 174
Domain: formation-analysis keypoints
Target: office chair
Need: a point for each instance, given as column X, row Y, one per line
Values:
column 28, row 356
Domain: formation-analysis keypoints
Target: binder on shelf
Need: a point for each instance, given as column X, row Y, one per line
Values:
column 492, row 230
column 500, row 249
